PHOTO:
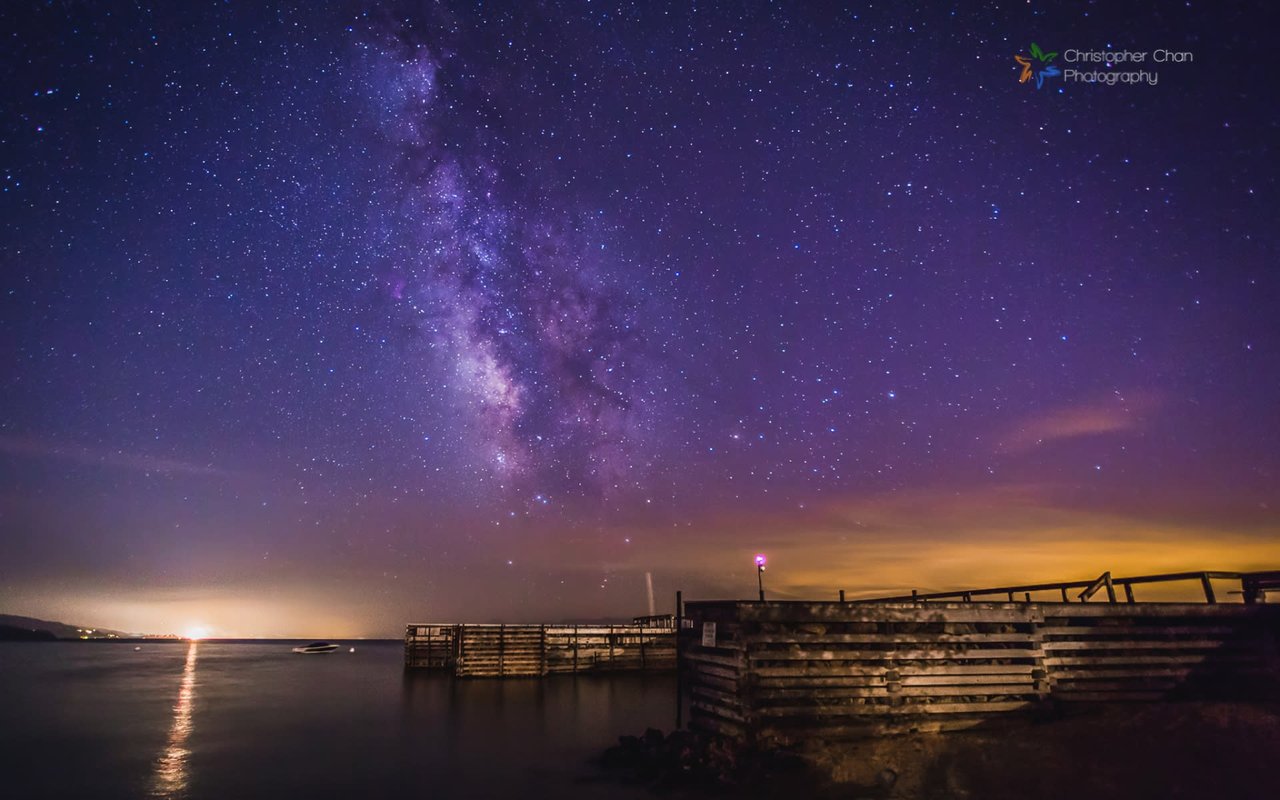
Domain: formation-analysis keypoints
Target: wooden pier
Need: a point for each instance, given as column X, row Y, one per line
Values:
column 534, row 650
column 779, row 672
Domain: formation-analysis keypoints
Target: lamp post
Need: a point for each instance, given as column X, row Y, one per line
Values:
column 760, row 559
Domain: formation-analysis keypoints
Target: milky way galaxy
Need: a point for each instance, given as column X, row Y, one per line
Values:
column 526, row 321
column 320, row 318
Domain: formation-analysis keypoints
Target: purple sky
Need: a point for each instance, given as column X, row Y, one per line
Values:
column 319, row 321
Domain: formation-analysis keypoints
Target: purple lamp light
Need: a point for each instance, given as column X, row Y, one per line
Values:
column 760, row 560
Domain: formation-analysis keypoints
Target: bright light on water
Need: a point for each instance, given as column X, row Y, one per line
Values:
column 171, row 769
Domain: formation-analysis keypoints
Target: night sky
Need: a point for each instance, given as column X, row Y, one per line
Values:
column 322, row 318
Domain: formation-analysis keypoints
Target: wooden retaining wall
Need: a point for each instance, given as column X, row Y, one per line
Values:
column 534, row 650
column 786, row 671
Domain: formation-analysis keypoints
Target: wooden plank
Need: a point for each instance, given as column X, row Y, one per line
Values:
column 967, row 690
column 961, row 680
column 699, row 654
column 724, row 699
column 772, row 696
column 866, row 728
column 714, row 724
column 722, row 684
column 819, row 669
column 1132, row 672
column 1191, row 644
column 1148, row 671
column 965, row 669
column 1139, row 611
column 890, row 655
column 908, row 675
column 1138, row 630
column 1111, row 697
column 993, row 707
column 1068, row 661
column 1133, row 684
column 702, row 668
column 716, row 710
column 755, row 641
column 766, row 697
column 803, row 682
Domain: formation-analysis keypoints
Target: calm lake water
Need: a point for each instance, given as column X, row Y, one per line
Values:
column 220, row 720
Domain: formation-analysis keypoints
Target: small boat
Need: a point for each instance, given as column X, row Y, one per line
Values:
column 316, row 647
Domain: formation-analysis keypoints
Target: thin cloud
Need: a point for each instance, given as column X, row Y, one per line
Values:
column 1117, row 413
column 37, row 448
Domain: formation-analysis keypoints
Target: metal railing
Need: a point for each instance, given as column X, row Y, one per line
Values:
column 1253, row 588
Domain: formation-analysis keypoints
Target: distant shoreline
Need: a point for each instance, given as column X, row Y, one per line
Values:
column 166, row 640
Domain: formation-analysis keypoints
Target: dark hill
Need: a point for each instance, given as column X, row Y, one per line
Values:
column 57, row 630
column 13, row 633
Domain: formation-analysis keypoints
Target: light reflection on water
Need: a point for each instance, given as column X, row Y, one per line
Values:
column 171, row 770
column 108, row 722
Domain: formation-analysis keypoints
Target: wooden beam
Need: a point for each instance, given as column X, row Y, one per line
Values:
column 1103, row 580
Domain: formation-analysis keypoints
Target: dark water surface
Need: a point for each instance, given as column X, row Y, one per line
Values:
column 219, row 720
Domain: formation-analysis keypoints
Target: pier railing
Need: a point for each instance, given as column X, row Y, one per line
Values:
column 1253, row 588
column 660, row 621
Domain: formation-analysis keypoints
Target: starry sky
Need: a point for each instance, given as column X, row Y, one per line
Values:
column 322, row 318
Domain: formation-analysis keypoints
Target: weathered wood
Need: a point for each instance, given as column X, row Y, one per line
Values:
column 764, row 640
column 530, row 650
column 966, row 669
column 807, row 683
column 1208, row 589
column 1150, row 671
column 1137, row 644
column 723, row 684
column 713, row 670
column 1132, row 684
column 877, row 709
column 783, row 730
column 822, row 667
column 700, row 654
column 1111, row 697
column 1067, row 674
column 1186, row 611
column 1189, row 659
column 766, row 696
column 962, row 680
column 939, row 653
column 1103, row 580
column 716, row 709
column 721, row 726
column 1138, row 630
column 721, row 698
